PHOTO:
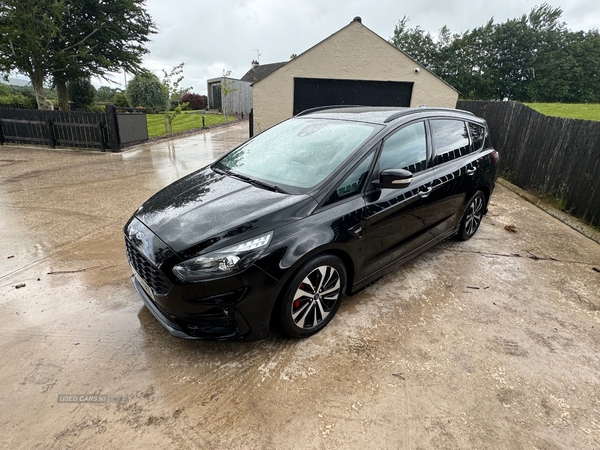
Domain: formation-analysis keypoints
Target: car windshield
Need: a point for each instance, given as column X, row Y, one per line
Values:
column 297, row 154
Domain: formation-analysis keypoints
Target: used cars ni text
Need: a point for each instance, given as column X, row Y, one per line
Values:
column 278, row 230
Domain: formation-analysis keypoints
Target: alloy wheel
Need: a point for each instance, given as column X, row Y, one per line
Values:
column 474, row 215
column 316, row 297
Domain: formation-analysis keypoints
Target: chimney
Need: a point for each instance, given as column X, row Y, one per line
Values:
column 254, row 64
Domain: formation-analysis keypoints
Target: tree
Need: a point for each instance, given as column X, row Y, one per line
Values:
column 416, row 43
column 568, row 71
column 106, row 93
column 533, row 57
column 81, row 92
column 170, row 83
column 227, row 87
column 64, row 41
column 145, row 89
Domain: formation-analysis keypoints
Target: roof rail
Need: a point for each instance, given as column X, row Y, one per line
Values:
column 422, row 108
column 322, row 108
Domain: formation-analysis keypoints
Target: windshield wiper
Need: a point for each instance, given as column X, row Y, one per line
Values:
column 218, row 170
column 264, row 185
column 252, row 181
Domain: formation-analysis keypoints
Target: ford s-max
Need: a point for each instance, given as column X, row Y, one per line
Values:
column 278, row 230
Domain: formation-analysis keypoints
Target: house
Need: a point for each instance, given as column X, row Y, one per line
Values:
column 353, row 66
column 258, row 72
column 237, row 101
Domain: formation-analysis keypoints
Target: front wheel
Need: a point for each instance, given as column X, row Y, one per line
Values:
column 312, row 296
column 472, row 218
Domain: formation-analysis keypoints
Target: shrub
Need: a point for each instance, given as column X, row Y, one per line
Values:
column 195, row 101
column 120, row 100
column 17, row 96
column 96, row 108
column 146, row 90
column 18, row 101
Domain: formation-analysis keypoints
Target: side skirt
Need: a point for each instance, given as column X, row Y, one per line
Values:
column 360, row 285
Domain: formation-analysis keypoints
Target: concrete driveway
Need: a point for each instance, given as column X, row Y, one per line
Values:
column 492, row 343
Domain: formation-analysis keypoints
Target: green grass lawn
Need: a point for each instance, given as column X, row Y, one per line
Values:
column 586, row 111
column 182, row 122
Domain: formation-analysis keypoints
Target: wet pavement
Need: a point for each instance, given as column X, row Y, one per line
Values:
column 492, row 343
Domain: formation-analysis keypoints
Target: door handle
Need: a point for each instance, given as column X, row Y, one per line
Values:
column 471, row 171
column 425, row 193
column 356, row 231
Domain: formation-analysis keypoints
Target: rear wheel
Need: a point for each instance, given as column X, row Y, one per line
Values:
column 312, row 296
column 472, row 218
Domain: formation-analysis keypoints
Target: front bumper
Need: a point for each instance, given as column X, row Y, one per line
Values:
column 171, row 326
column 233, row 308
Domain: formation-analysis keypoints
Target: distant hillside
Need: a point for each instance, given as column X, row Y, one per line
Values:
column 18, row 81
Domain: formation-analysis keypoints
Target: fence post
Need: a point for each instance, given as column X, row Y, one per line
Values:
column 251, row 122
column 1, row 134
column 51, row 135
column 100, row 136
column 113, row 128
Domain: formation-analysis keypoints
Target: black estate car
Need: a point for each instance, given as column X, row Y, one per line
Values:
column 279, row 229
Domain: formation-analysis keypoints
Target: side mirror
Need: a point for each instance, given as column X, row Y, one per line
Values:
column 393, row 179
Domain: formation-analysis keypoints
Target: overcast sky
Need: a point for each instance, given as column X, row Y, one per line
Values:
column 226, row 34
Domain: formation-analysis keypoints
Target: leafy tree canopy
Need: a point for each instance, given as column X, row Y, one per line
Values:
column 62, row 40
column 106, row 93
column 145, row 89
column 81, row 92
column 530, row 58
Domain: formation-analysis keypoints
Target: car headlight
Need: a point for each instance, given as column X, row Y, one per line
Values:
column 223, row 262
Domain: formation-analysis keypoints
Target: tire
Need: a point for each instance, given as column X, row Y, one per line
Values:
column 312, row 296
column 472, row 217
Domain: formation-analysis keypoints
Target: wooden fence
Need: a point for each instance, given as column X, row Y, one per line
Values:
column 101, row 131
column 552, row 155
column 133, row 128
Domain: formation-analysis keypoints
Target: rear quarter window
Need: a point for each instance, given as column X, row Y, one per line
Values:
column 478, row 136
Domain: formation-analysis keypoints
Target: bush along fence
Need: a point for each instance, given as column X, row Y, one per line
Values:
column 554, row 156
column 108, row 131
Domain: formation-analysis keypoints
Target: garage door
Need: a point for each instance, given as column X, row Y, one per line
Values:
column 313, row 92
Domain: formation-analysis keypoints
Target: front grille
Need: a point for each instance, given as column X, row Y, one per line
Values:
column 153, row 277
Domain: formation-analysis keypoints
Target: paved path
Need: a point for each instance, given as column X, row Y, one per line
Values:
column 492, row 343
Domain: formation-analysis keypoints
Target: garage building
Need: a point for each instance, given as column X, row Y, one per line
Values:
column 353, row 66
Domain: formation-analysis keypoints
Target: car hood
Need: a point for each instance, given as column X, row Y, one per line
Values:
column 206, row 209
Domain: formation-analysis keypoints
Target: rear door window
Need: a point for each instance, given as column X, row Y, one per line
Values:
column 450, row 140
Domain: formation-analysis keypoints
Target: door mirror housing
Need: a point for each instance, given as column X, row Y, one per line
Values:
column 393, row 179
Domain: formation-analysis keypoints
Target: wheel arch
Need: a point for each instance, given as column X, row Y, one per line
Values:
column 340, row 254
